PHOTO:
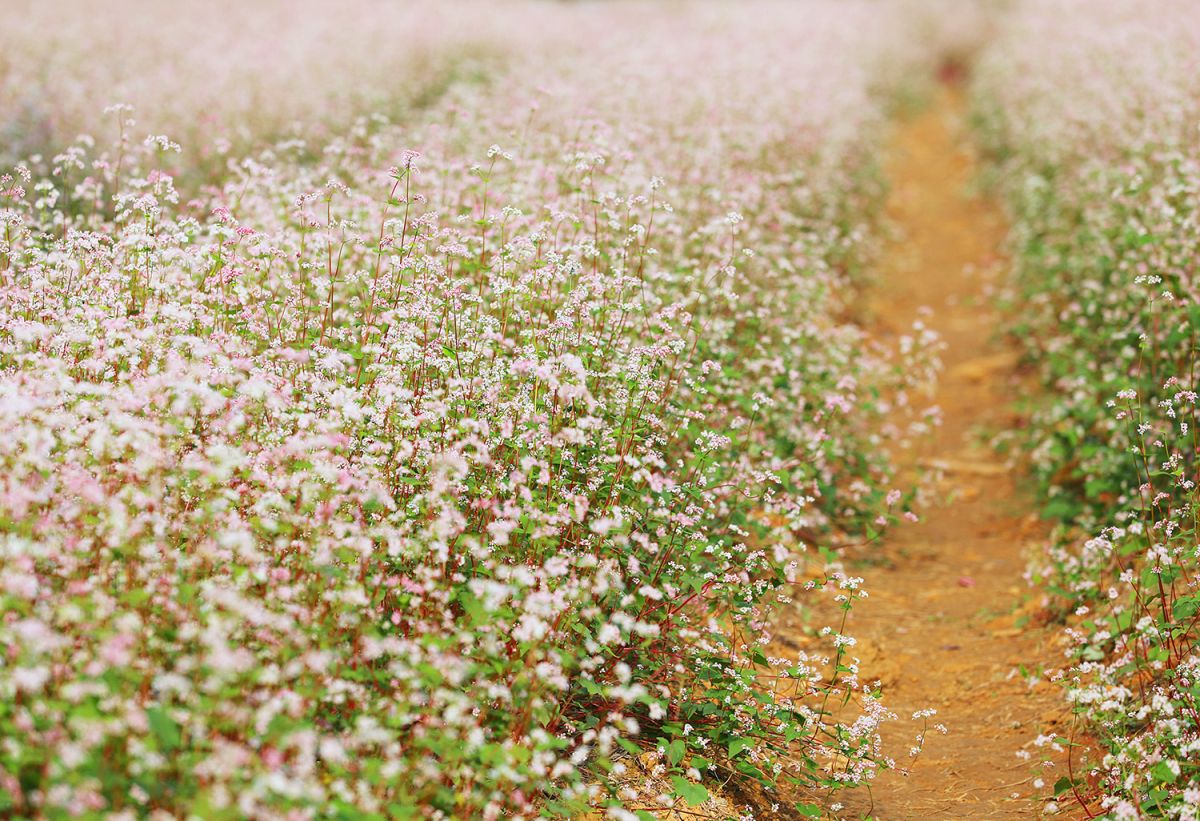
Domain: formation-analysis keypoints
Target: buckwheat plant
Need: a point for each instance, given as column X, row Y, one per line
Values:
column 1096, row 137
column 439, row 468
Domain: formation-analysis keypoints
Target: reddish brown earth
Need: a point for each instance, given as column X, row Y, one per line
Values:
column 945, row 624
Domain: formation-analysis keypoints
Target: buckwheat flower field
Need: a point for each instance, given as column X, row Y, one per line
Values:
column 505, row 410
column 1100, row 139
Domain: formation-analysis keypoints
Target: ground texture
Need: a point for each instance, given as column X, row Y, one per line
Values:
column 946, row 625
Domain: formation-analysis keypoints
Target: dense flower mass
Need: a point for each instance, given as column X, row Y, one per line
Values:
column 434, row 466
column 1092, row 111
column 221, row 76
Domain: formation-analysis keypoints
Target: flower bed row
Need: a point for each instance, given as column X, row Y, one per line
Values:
column 1090, row 111
column 436, row 469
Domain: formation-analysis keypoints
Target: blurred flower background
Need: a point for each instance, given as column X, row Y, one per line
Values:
column 419, row 410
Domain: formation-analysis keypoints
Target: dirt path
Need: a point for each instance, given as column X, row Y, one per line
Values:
column 942, row 625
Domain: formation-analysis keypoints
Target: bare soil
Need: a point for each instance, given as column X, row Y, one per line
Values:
column 947, row 624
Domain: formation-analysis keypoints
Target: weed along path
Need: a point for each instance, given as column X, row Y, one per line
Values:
column 943, row 626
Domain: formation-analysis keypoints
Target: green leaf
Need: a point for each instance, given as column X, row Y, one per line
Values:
column 1163, row 774
column 675, row 751
column 694, row 794
column 809, row 810
column 1185, row 608
column 164, row 728
column 589, row 686
column 1062, row 785
column 737, row 745
column 348, row 812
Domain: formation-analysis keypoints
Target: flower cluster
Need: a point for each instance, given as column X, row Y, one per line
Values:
column 436, row 468
column 1091, row 112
